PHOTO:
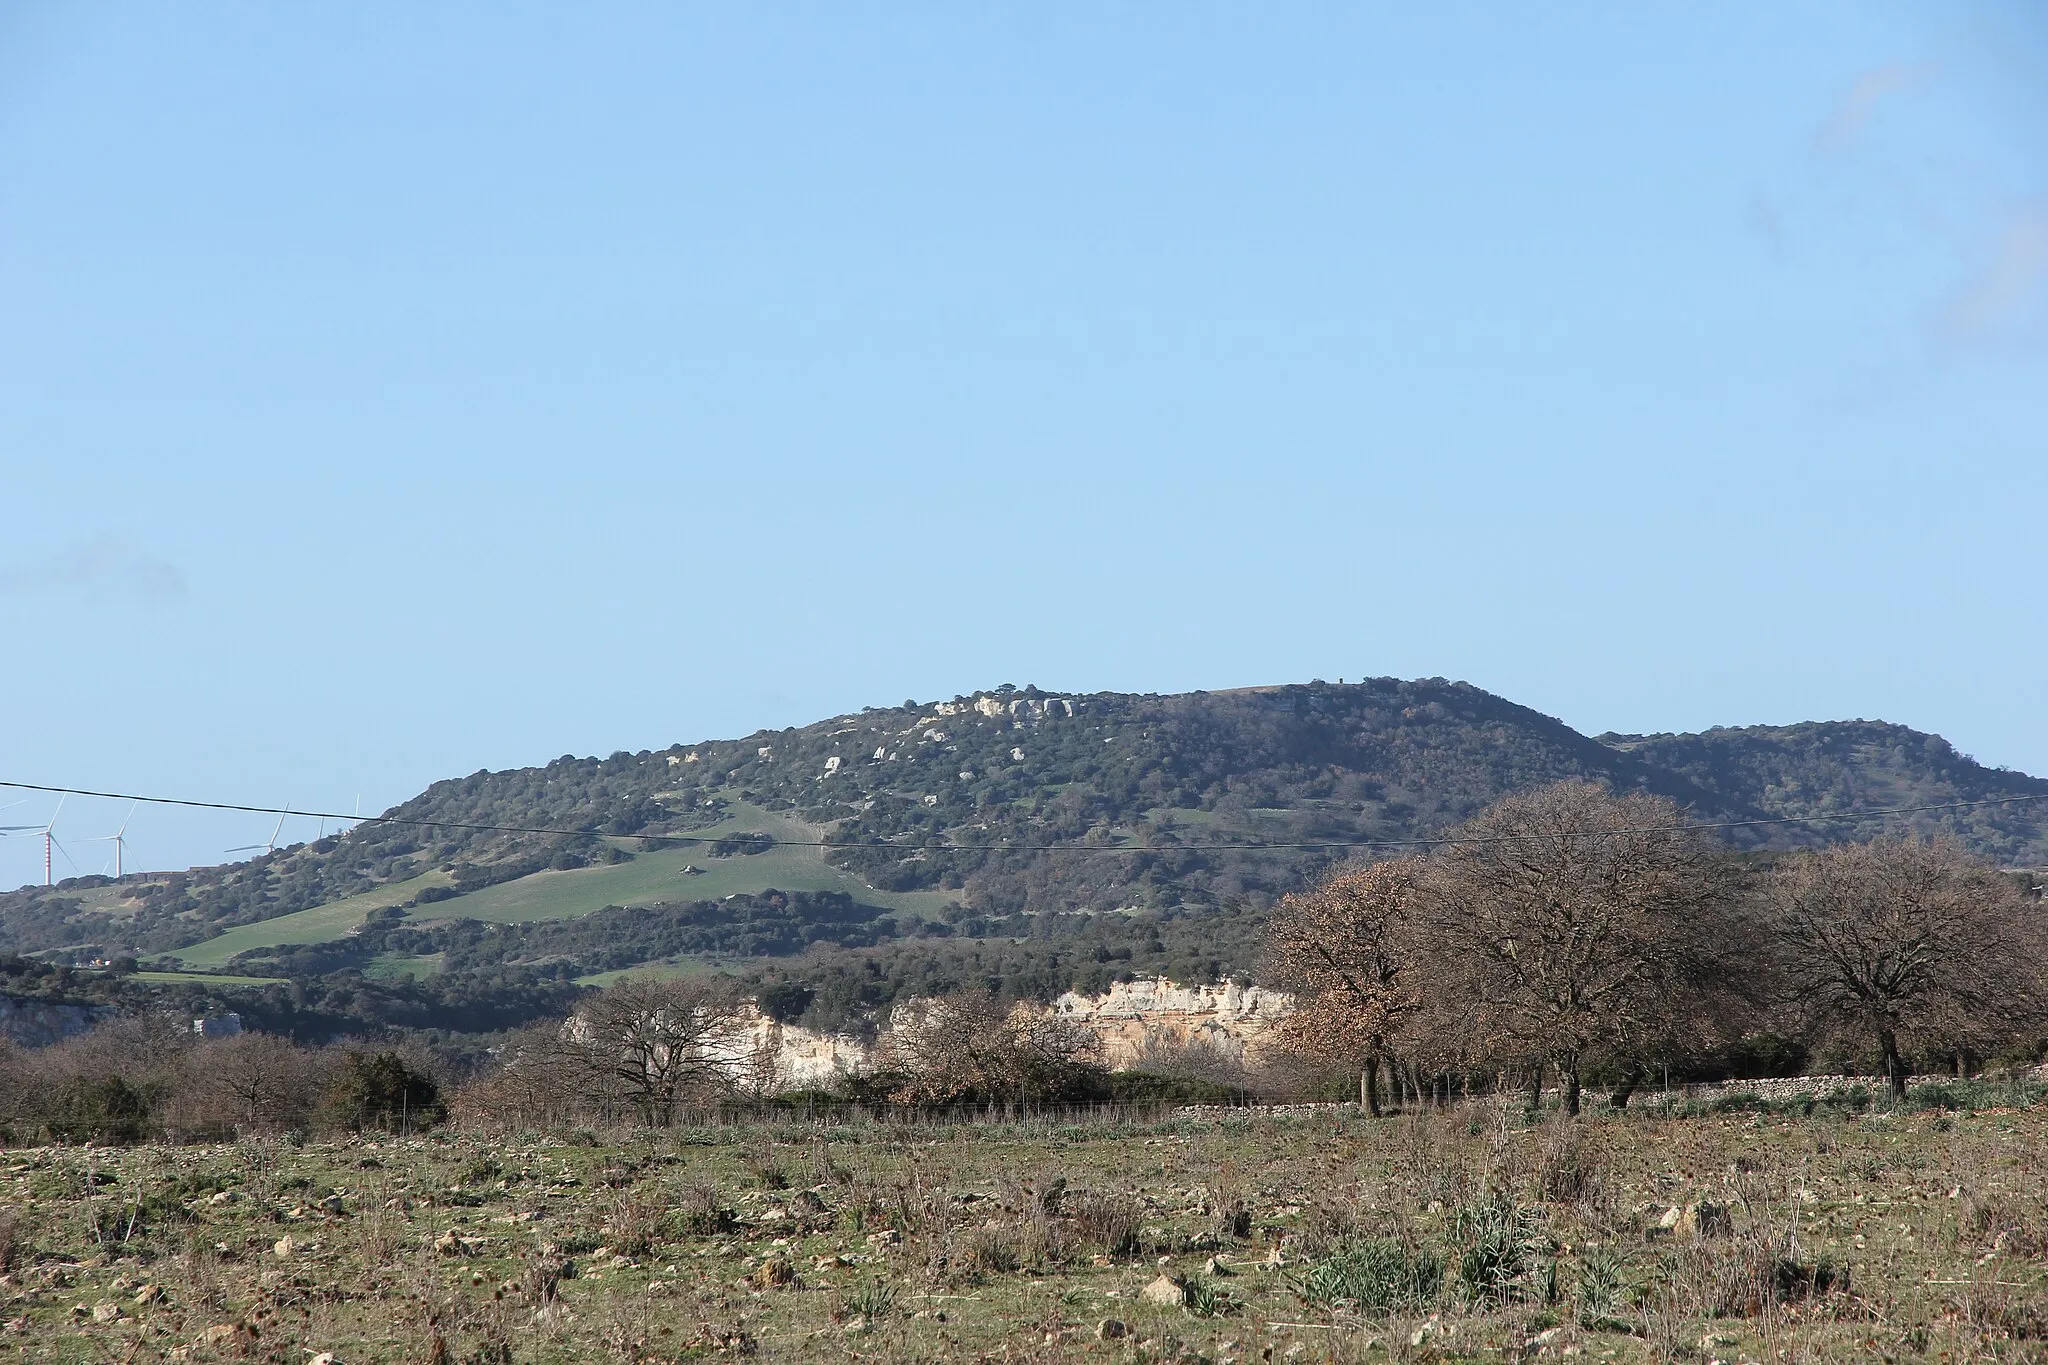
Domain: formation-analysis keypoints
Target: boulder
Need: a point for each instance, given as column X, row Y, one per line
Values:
column 1166, row 1291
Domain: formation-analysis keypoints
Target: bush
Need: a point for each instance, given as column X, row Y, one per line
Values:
column 1110, row 1221
column 1375, row 1275
column 1502, row 1247
column 104, row 1110
column 383, row 1090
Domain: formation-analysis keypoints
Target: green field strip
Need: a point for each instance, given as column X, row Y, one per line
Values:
column 319, row 925
column 652, row 878
column 205, row 979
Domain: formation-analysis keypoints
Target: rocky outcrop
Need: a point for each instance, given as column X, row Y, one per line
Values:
column 790, row 1057
column 39, row 1023
column 1133, row 1019
column 1136, row 1017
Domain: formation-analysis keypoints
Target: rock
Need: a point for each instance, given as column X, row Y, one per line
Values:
column 221, row 1333
column 283, row 1247
column 775, row 1273
column 107, row 1312
column 1705, row 1219
column 324, row 1358
column 829, row 1263
column 1214, row 1266
column 149, row 1294
column 1165, row 1292
column 887, row 1237
column 453, row 1243
column 1111, row 1329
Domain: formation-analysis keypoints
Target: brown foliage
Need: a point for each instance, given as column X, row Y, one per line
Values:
column 1565, row 925
column 1575, row 924
column 973, row 1047
column 645, row 1047
column 1909, row 944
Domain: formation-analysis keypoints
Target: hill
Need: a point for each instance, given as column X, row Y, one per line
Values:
column 1117, row 830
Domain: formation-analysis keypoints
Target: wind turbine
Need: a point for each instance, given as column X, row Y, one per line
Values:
column 118, row 839
column 49, row 833
column 268, row 847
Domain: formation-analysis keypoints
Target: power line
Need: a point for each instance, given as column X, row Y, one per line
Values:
column 1253, row 846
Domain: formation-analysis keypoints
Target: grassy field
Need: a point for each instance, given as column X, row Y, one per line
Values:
column 318, row 925
column 658, row 876
column 650, row 971
column 1471, row 1234
column 646, row 879
column 204, row 979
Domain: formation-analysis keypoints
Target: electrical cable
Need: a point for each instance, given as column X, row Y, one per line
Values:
column 1251, row 847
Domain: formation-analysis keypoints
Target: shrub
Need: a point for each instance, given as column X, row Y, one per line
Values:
column 992, row 1251
column 1501, row 1250
column 1110, row 1221
column 1602, row 1286
column 1375, row 1275
column 866, row 1301
column 106, row 1109
column 383, row 1090
column 699, row 1213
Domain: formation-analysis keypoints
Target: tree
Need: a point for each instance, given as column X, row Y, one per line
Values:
column 1570, row 923
column 654, row 1045
column 1908, row 944
column 252, row 1082
column 1346, row 950
column 385, row 1090
column 972, row 1047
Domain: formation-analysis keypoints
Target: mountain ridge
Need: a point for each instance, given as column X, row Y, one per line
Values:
column 1162, row 803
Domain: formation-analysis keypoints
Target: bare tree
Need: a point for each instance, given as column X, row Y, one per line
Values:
column 1347, row 951
column 1908, row 944
column 652, row 1045
column 972, row 1046
column 253, row 1082
column 1571, row 923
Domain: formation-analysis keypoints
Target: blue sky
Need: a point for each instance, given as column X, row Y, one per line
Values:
column 387, row 394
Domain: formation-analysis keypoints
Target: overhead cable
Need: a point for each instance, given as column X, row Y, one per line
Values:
column 1007, row 846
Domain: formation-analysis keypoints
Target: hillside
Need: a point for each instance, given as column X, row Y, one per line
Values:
column 1133, row 821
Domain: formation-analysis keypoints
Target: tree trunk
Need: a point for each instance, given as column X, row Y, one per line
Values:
column 1369, row 1085
column 1569, row 1071
column 1536, row 1088
column 1630, row 1079
column 1894, row 1067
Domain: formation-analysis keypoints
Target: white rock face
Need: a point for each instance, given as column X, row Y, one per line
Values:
column 789, row 1057
column 1234, row 1020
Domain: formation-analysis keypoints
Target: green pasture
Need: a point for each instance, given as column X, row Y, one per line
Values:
column 646, row 879
column 205, row 979
column 393, row 966
column 318, row 925
column 649, row 971
column 654, row 877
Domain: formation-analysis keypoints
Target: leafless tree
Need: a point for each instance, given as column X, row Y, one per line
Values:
column 1572, row 923
column 252, row 1083
column 972, row 1046
column 1908, row 944
column 650, row 1046
column 1347, row 951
